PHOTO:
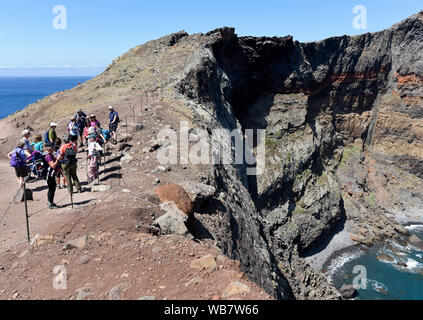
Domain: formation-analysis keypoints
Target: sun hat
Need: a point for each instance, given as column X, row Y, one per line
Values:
column 92, row 136
column 53, row 124
column 25, row 132
column 110, row 107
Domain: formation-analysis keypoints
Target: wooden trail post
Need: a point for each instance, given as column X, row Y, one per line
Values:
column 26, row 213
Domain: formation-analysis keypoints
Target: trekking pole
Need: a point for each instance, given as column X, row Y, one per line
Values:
column 26, row 213
column 98, row 171
column 126, row 120
column 86, row 166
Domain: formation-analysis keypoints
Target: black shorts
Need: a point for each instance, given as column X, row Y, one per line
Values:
column 113, row 127
column 22, row 172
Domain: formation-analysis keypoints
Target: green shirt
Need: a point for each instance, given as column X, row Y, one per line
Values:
column 52, row 135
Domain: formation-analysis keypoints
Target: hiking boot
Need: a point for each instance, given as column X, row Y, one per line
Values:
column 52, row 206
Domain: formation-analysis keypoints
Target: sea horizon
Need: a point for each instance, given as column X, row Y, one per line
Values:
column 17, row 92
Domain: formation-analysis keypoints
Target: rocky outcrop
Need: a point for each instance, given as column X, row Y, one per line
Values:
column 313, row 99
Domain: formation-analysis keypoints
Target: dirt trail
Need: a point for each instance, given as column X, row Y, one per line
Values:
column 42, row 219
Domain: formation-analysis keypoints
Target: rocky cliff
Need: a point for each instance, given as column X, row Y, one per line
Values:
column 344, row 137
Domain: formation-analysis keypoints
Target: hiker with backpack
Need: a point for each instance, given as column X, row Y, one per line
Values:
column 113, row 125
column 60, row 179
column 93, row 158
column 51, row 135
column 18, row 161
column 38, row 144
column 73, row 129
column 68, row 152
column 52, row 173
column 27, row 145
column 81, row 120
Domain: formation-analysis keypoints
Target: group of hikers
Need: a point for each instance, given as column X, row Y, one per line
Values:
column 55, row 160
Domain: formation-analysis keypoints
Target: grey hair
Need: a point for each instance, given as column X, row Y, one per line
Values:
column 20, row 144
column 66, row 138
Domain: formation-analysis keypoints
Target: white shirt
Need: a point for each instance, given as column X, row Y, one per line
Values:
column 94, row 148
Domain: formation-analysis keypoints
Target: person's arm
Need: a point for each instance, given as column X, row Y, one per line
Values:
column 114, row 119
column 27, row 152
column 54, row 163
column 9, row 155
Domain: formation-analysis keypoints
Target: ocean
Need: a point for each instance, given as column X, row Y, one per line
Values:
column 18, row 92
column 399, row 276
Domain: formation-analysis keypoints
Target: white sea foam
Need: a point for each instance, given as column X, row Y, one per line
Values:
column 396, row 245
column 377, row 285
column 341, row 260
column 415, row 227
column 413, row 264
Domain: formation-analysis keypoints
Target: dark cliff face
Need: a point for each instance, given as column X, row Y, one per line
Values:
column 313, row 99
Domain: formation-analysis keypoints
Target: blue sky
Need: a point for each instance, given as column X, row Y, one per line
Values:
column 98, row 31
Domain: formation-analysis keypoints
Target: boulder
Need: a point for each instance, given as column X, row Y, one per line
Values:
column 385, row 257
column 178, row 195
column 118, row 291
column 415, row 241
column 235, row 288
column 126, row 159
column 159, row 169
column 79, row 243
column 101, row 188
column 348, row 291
column 206, row 262
column 173, row 222
column 39, row 240
column 199, row 193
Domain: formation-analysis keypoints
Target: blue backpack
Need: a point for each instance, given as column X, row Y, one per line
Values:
column 46, row 138
column 17, row 161
column 106, row 134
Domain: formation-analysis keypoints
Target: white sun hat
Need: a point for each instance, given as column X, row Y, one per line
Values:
column 53, row 124
column 25, row 132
